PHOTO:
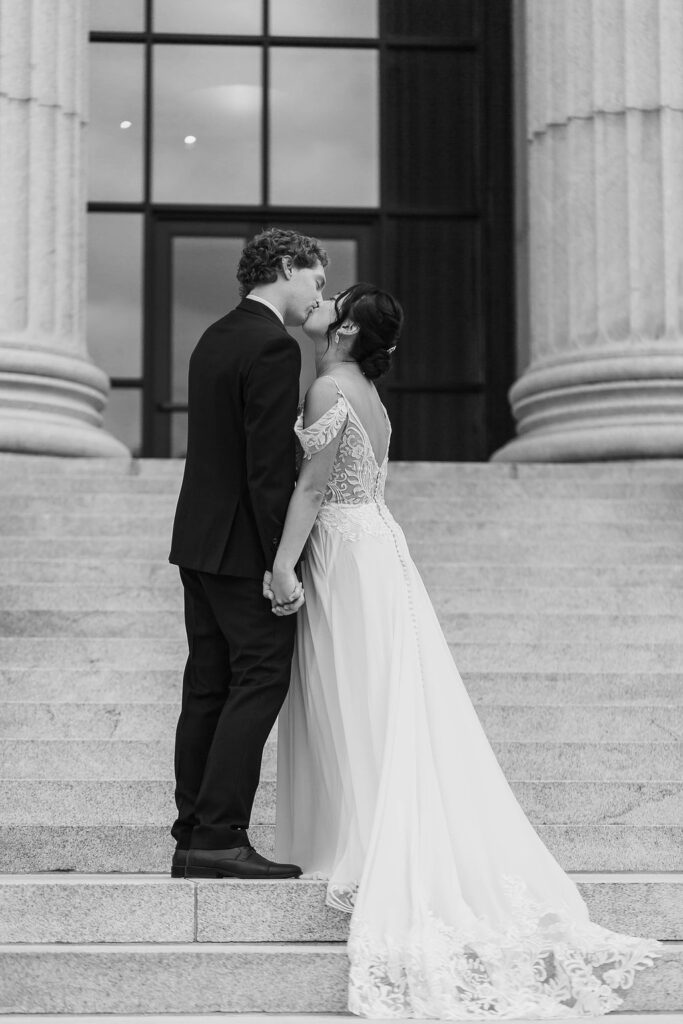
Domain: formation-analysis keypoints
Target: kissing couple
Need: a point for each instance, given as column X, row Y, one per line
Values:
column 301, row 599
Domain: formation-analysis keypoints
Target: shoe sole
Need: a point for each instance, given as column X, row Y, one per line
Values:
column 216, row 873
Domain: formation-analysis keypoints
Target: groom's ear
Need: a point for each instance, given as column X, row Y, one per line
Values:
column 287, row 269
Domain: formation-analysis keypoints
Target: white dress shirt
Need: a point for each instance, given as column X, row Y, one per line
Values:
column 257, row 298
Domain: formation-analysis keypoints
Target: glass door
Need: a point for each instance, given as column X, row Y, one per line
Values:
column 194, row 285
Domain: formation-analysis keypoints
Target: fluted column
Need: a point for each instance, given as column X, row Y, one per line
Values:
column 605, row 163
column 51, row 394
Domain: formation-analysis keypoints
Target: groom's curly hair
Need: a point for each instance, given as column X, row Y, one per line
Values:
column 261, row 258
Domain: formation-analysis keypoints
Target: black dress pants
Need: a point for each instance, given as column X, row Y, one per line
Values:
column 236, row 679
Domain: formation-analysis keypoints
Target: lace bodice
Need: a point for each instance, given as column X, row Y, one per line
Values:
column 353, row 503
column 356, row 476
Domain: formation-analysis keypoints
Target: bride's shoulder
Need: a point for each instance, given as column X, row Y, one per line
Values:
column 324, row 394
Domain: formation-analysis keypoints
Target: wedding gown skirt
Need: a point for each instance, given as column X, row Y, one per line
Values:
column 389, row 789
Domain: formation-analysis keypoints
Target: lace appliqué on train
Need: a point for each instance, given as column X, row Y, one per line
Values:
column 342, row 897
column 544, row 965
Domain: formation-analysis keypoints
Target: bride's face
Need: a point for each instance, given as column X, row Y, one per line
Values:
column 319, row 319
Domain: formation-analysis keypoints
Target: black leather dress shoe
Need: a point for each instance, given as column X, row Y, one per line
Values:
column 178, row 863
column 237, row 862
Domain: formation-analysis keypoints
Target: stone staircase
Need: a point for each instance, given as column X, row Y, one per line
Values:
column 560, row 589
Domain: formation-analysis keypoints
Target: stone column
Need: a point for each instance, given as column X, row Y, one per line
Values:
column 51, row 394
column 605, row 161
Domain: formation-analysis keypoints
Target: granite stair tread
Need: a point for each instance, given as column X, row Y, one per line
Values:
column 85, row 908
column 225, row 977
column 643, row 602
column 150, row 801
column 161, row 653
column 154, row 720
column 148, row 847
column 138, row 759
column 102, row 684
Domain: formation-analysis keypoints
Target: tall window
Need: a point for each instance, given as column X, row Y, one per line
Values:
column 236, row 110
column 382, row 127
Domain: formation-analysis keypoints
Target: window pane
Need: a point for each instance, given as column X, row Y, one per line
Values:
column 323, row 18
column 115, row 132
column 115, row 292
column 329, row 157
column 123, row 417
column 117, row 15
column 225, row 17
column 204, row 289
column 207, row 124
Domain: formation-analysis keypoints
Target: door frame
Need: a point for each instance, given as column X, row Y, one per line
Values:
column 157, row 403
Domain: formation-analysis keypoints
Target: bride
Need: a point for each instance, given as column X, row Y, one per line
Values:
column 387, row 785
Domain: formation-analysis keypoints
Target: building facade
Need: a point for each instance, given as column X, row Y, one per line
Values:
column 509, row 169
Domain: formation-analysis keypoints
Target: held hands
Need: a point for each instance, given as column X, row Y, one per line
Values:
column 284, row 591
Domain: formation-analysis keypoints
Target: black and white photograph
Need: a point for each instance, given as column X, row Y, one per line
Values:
column 341, row 511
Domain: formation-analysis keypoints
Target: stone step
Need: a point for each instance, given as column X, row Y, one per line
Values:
column 153, row 759
column 154, row 908
column 15, row 466
column 146, row 653
column 455, row 550
column 510, row 507
column 104, row 685
column 589, row 723
column 399, row 487
column 568, row 657
column 440, row 526
column 558, row 600
column 91, row 571
column 259, row 1018
column 640, row 481
column 148, row 848
column 150, row 802
column 226, row 977
column 456, row 600
column 34, row 467
column 483, row 628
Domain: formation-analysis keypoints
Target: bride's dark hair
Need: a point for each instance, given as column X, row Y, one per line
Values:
column 379, row 318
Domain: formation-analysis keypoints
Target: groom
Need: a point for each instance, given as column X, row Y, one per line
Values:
column 239, row 476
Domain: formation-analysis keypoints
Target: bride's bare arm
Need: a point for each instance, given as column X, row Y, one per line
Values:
column 308, row 493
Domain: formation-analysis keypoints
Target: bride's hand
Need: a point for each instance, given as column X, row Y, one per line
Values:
column 286, row 590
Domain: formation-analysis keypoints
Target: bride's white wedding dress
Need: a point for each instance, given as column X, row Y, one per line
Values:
column 388, row 788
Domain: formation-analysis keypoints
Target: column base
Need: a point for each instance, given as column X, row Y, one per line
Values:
column 52, row 404
column 596, row 406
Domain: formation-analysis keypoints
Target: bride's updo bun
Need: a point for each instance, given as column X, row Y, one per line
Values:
column 379, row 319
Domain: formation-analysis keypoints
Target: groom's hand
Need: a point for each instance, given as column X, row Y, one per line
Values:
column 267, row 580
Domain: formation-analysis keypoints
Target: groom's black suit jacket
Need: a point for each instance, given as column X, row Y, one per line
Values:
column 240, row 466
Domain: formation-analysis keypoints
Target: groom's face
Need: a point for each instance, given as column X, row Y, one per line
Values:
column 305, row 288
